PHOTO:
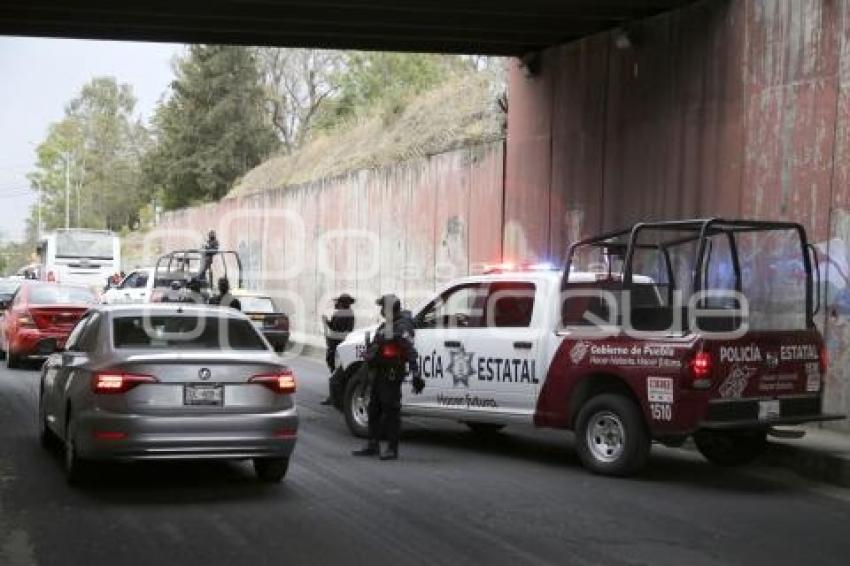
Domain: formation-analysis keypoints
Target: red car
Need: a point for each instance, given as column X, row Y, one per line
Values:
column 38, row 315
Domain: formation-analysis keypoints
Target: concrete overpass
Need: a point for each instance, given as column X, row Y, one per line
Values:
column 495, row 27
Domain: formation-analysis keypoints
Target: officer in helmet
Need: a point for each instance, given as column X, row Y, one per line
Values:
column 210, row 249
column 390, row 356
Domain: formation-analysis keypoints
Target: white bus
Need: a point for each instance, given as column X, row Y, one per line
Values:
column 77, row 256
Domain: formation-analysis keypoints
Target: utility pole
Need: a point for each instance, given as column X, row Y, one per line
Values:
column 67, row 189
column 38, row 226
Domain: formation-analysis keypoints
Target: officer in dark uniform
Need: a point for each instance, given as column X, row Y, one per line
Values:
column 210, row 249
column 336, row 329
column 390, row 356
column 224, row 298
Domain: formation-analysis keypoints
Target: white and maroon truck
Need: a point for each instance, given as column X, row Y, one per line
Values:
column 701, row 328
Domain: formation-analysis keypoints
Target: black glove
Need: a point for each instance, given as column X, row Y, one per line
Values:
column 418, row 383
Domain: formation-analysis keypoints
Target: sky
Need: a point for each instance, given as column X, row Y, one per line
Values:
column 40, row 77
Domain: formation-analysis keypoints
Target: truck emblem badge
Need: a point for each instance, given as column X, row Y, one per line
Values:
column 736, row 382
column 204, row 374
column 772, row 360
column 579, row 351
column 460, row 366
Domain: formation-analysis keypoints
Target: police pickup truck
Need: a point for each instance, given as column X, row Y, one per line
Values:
column 660, row 332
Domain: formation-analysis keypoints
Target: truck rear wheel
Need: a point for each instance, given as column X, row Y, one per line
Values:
column 611, row 437
column 730, row 448
column 355, row 403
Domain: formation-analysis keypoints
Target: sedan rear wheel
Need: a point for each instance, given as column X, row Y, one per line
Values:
column 45, row 435
column 75, row 467
column 271, row 470
column 12, row 361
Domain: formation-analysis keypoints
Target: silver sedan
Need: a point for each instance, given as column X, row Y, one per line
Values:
column 168, row 382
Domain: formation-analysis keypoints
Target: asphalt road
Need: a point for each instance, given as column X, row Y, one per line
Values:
column 451, row 499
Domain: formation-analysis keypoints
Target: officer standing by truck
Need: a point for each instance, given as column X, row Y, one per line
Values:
column 336, row 329
column 390, row 356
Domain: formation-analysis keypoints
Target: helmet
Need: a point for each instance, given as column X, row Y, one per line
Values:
column 345, row 300
column 389, row 303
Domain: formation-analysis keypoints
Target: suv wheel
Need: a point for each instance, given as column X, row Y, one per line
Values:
column 271, row 470
column 730, row 448
column 355, row 403
column 611, row 437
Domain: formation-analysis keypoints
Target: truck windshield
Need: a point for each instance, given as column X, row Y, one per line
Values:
column 92, row 245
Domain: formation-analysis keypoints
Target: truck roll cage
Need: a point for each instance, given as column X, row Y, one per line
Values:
column 175, row 265
column 623, row 243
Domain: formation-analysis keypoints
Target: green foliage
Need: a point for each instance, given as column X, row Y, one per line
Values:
column 91, row 161
column 212, row 129
column 386, row 81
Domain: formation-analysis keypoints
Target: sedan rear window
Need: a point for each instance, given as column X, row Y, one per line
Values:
column 186, row 333
column 59, row 295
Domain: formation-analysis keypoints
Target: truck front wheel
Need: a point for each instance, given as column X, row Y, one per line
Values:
column 355, row 403
column 732, row 447
column 611, row 437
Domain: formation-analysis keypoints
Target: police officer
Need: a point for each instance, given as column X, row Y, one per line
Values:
column 210, row 249
column 224, row 298
column 336, row 329
column 394, row 335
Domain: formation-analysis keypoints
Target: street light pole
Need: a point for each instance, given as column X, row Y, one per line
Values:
column 38, row 226
column 67, row 189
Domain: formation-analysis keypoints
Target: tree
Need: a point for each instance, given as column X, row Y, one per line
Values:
column 211, row 129
column 369, row 80
column 93, row 154
column 298, row 83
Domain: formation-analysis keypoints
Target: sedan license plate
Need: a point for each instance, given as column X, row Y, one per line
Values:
column 769, row 410
column 203, row 395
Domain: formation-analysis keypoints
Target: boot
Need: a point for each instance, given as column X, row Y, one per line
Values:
column 391, row 453
column 327, row 402
column 370, row 449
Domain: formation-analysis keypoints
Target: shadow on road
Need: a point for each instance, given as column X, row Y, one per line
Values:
column 666, row 465
column 157, row 483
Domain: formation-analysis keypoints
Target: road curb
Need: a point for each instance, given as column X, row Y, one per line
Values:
column 813, row 463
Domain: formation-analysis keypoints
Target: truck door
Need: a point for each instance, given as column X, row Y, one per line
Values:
column 442, row 329
column 505, row 351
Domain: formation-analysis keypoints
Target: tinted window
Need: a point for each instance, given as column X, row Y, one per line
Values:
column 459, row 307
column 9, row 287
column 510, row 304
column 88, row 339
column 96, row 245
column 129, row 281
column 186, row 332
column 60, row 295
column 257, row 304
column 73, row 342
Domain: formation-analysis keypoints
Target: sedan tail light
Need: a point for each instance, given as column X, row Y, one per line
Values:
column 282, row 382
column 109, row 382
column 25, row 320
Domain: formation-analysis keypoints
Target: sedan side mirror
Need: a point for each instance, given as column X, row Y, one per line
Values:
column 4, row 305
